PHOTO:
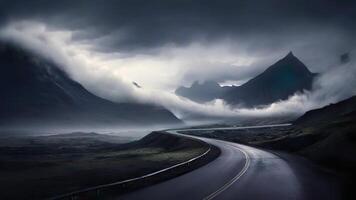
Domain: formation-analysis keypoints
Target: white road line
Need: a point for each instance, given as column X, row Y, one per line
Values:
column 233, row 180
column 247, row 158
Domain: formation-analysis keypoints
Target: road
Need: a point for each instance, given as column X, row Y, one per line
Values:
column 244, row 173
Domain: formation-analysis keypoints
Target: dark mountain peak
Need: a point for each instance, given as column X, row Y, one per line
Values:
column 210, row 84
column 282, row 79
column 200, row 92
column 277, row 82
column 289, row 64
column 290, row 55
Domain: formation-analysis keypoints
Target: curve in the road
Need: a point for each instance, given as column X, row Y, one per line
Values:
column 234, row 179
column 241, row 172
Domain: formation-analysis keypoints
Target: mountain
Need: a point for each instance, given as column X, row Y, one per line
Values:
column 284, row 78
column 201, row 92
column 34, row 91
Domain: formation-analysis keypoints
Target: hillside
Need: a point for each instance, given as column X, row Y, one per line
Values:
column 326, row 135
column 201, row 92
column 345, row 109
column 335, row 128
column 35, row 92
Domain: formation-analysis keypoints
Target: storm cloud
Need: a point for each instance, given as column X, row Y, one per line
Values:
column 140, row 25
column 160, row 45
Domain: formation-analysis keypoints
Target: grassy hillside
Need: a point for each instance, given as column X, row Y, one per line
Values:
column 46, row 166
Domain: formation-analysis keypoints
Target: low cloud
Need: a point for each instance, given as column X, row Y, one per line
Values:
column 110, row 74
column 331, row 86
column 89, row 68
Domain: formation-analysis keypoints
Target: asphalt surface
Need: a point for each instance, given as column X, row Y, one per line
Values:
column 243, row 172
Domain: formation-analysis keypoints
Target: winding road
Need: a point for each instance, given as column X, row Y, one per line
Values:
column 244, row 173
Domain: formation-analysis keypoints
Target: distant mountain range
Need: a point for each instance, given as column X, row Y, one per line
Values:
column 284, row 78
column 201, row 92
column 34, row 91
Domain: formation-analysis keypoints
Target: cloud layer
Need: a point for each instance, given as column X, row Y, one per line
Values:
column 164, row 44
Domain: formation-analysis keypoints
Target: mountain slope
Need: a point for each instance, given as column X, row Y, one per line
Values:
column 201, row 92
column 34, row 92
column 335, row 127
column 342, row 110
column 282, row 79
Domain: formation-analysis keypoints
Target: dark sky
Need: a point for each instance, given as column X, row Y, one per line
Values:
column 162, row 44
column 148, row 24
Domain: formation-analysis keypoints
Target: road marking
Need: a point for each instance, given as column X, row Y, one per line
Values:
column 247, row 158
column 233, row 180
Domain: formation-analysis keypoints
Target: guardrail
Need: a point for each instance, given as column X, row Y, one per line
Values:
column 97, row 189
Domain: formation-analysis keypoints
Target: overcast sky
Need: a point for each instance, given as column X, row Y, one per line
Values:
column 107, row 45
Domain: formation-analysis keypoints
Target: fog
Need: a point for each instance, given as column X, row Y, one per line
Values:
column 111, row 74
column 131, row 131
